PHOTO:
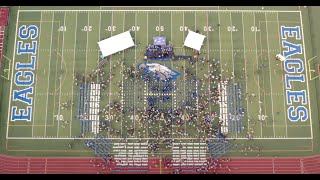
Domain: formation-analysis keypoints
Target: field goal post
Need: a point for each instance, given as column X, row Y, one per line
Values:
column 5, row 67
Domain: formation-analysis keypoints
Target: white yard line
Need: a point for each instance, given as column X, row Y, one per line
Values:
column 248, row 11
column 55, row 78
column 13, row 65
column 110, row 65
column 208, row 53
column 147, row 61
column 74, row 59
column 245, row 69
column 62, row 60
column 48, row 84
column 263, row 88
column 231, row 32
column 220, row 56
column 159, row 80
column 274, row 132
column 304, row 52
column 97, row 80
column 220, row 44
column 255, row 39
column 68, row 138
column 197, row 100
column 122, row 90
column 284, row 92
column 184, row 82
column 37, row 70
column 171, row 40
column 135, row 75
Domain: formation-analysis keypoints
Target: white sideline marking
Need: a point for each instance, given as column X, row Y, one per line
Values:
column 274, row 132
column 35, row 138
column 151, row 138
column 45, row 122
column 13, row 59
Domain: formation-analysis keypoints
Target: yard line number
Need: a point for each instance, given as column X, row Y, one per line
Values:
column 232, row 28
column 135, row 28
column 111, row 28
column 87, row 28
column 58, row 117
column 254, row 29
column 159, row 28
column 62, row 28
column 207, row 28
column 262, row 117
column 183, row 28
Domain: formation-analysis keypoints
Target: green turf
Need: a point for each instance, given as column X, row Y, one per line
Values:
column 242, row 51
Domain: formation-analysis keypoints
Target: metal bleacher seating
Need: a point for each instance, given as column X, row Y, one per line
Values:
column 234, row 107
column 4, row 16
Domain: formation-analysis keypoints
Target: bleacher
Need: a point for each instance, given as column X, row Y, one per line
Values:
column 88, row 112
column 131, row 157
column 223, row 105
column 4, row 15
column 188, row 157
column 83, row 109
column 101, row 146
column 160, row 95
column 235, row 114
column 218, row 147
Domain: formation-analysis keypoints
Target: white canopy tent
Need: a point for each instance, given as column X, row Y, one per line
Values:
column 194, row 40
column 116, row 43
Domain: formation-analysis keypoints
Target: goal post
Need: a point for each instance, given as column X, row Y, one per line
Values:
column 5, row 68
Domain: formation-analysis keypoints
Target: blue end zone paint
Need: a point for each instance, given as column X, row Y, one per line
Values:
column 291, row 68
column 24, row 77
column 294, row 68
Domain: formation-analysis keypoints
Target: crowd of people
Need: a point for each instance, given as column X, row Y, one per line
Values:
column 173, row 121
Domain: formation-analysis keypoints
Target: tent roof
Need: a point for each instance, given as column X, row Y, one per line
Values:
column 116, row 43
column 194, row 40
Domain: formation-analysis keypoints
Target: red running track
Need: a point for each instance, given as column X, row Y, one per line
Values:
column 23, row 165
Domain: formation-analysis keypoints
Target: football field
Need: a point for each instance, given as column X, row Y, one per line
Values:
column 245, row 42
